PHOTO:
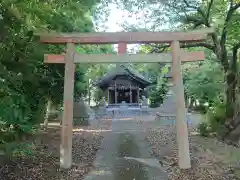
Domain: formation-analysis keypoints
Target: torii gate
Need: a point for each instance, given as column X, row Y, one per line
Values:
column 123, row 38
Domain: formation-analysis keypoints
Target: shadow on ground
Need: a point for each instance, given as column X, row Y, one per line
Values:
column 128, row 169
column 42, row 163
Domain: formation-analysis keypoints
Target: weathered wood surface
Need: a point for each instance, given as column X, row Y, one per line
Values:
column 181, row 125
column 122, row 48
column 66, row 135
column 125, row 58
column 125, row 37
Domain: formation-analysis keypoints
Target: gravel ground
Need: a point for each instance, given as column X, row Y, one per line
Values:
column 205, row 164
column 44, row 163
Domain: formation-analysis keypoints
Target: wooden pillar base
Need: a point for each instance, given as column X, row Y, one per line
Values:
column 66, row 148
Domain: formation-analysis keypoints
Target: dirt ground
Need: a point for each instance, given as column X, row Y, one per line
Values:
column 43, row 164
column 211, row 159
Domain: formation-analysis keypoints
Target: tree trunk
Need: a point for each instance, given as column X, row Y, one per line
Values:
column 186, row 100
column 49, row 103
column 191, row 104
column 232, row 111
column 230, row 94
column 89, row 93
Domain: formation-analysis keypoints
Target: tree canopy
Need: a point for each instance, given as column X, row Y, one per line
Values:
column 191, row 14
column 221, row 47
column 26, row 83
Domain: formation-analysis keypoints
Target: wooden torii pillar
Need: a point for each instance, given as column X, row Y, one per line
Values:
column 181, row 114
column 67, row 124
column 175, row 57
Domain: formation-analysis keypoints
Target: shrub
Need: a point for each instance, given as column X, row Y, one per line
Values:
column 98, row 95
column 203, row 129
column 16, row 120
column 216, row 116
column 80, row 121
column 157, row 94
column 200, row 108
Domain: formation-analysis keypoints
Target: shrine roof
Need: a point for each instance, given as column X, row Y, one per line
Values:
column 122, row 70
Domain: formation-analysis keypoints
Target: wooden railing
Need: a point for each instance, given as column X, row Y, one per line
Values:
column 132, row 105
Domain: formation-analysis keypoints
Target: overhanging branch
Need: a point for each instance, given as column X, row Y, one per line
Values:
column 204, row 16
column 232, row 9
column 209, row 9
column 196, row 21
column 189, row 6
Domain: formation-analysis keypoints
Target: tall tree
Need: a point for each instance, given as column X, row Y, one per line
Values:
column 223, row 15
column 26, row 83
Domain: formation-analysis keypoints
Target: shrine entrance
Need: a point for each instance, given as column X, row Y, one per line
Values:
column 123, row 84
column 123, row 38
column 123, row 96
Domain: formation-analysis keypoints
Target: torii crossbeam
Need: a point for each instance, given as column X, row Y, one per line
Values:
column 176, row 57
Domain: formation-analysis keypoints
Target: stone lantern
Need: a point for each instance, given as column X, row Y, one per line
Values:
column 169, row 78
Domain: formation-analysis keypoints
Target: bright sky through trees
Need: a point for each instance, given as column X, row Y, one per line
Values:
column 118, row 17
column 115, row 20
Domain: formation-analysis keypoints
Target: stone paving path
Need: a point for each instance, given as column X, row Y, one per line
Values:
column 124, row 154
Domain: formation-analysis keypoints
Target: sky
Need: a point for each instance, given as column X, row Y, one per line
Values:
column 118, row 17
column 115, row 19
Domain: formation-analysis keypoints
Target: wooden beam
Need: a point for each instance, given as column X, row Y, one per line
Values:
column 125, row 37
column 181, row 126
column 124, row 58
column 66, row 135
column 122, row 48
column 54, row 58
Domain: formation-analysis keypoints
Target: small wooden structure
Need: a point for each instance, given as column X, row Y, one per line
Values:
column 123, row 84
column 123, row 38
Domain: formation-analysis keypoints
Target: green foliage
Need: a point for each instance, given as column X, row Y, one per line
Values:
column 218, row 76
column 158, row 93
column 203, row 129
column 21, row 149
column 216, row 118
column 26, row 83
column 183, row 15
column 16, row 116
column 156, row 73
column 203, row 82
column 98, row 94
column 96, row 71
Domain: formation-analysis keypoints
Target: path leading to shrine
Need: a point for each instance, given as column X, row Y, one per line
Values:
column 141, row 148
column 125, row 154
column 127, row 151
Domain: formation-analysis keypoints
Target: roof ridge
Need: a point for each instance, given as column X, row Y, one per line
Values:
column 123, row 69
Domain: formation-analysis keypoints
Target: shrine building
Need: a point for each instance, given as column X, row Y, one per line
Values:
column 123, row 84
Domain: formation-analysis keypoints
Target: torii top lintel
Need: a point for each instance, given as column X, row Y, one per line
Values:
column 125, row 37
